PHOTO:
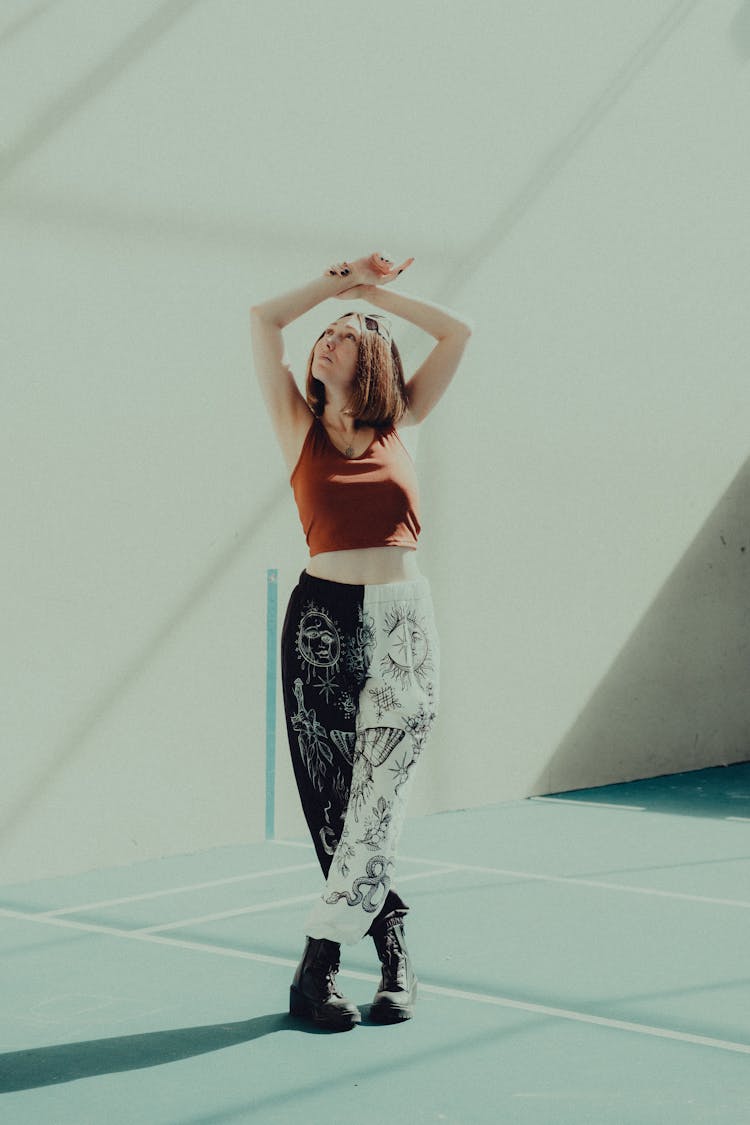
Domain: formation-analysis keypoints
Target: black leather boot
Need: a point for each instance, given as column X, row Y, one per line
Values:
column 394, row 1001
column 314, row 994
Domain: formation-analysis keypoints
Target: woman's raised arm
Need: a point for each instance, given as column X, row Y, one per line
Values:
column 290, row 414
column 430, row 381
column 428, row 384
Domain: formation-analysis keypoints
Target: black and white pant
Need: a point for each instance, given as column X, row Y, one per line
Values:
column 360, row 669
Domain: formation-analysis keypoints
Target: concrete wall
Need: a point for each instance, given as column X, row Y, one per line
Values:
column 585, row 481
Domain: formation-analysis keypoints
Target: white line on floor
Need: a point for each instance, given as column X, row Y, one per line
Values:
column 596, row 883
column 261, row 907
column 585, row 1017
column 571, row 879
column 442, row 866
column 176, row 890
column 435, row 990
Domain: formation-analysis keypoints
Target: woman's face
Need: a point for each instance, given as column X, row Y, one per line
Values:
column 335, row 354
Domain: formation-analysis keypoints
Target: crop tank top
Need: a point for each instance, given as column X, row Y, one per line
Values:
column 352, row 502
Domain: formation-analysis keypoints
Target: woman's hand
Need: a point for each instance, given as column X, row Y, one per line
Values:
column 376, row 269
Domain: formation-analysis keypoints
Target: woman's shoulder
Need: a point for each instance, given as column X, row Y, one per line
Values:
column 404, row 438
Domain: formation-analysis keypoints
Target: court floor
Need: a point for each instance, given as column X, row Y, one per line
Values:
column 582, row 958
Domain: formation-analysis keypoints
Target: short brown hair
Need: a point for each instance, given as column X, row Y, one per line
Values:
column 379, row 397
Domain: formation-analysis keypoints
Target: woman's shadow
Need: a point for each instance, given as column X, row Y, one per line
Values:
column 66, row 1062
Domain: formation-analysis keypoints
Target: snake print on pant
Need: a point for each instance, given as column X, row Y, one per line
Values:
column 360, row 668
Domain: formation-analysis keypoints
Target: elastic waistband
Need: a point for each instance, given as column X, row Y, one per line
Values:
column 411, row 589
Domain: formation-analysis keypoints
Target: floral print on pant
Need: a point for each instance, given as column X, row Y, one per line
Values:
column 360, row 672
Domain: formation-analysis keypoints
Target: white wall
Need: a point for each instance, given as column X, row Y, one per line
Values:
column 594, row 572
column 582, row 196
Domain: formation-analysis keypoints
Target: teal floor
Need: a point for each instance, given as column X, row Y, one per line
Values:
column 582, row 958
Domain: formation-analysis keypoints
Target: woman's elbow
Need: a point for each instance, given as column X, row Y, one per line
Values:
column 460, row 330
column 261, row 316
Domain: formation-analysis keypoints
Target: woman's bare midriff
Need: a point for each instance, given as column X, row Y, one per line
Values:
column 366, row 566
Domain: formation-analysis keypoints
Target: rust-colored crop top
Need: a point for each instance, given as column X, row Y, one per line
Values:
column 351, row 502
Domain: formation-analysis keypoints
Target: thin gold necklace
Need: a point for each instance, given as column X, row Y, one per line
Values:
column 348, row 452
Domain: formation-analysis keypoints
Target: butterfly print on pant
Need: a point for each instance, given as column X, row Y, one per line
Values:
column 360, row 668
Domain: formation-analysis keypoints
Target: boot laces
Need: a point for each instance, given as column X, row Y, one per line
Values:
column 395, row 967
column 330, row 981
column 325, row 975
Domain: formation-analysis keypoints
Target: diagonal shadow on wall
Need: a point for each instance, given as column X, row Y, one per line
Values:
column 139, row 663
column 78, row 96
column 545, row 173
column 25, row 20
column 678, row 690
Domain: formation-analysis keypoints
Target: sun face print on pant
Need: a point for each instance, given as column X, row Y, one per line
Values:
column 360, row 666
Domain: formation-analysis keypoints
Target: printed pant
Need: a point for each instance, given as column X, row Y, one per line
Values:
column 360, row 671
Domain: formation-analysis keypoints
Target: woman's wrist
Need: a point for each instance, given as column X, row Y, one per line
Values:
column 367, row 292
column 383, row 297
column 374, row 294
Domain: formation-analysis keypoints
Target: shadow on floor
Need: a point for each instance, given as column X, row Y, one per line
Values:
column 66, row 1062
column 721, row 791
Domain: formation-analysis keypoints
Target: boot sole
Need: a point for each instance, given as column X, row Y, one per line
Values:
column 394, row 1013
column 299, row 1005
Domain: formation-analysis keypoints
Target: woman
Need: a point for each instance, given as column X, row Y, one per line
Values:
column 359, row 647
